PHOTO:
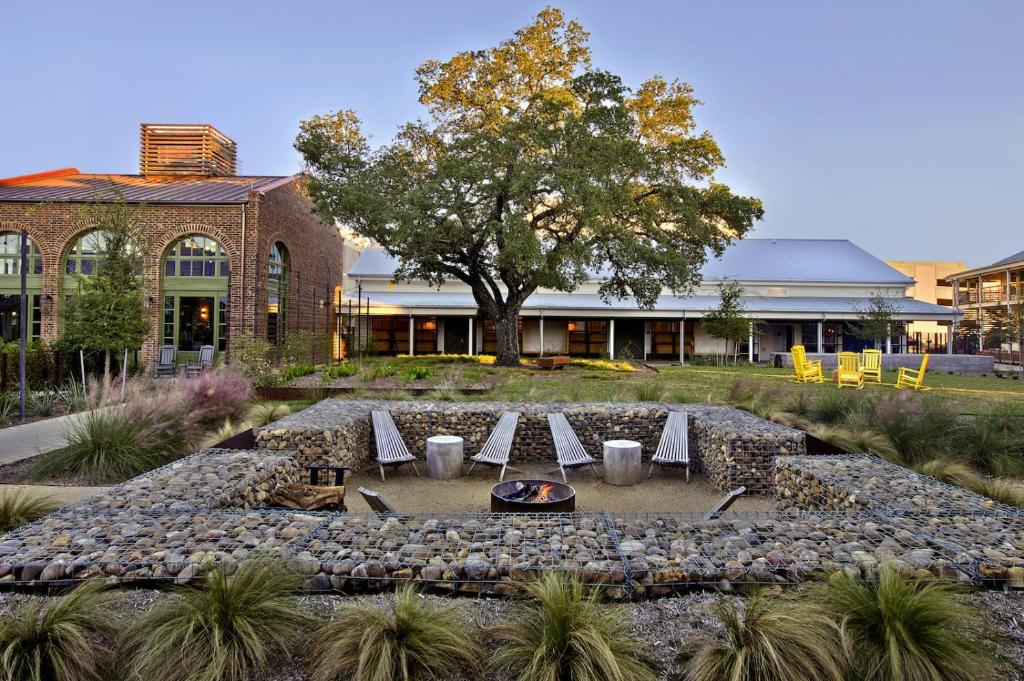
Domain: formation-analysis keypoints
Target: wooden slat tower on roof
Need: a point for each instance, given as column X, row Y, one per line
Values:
column 181, row 149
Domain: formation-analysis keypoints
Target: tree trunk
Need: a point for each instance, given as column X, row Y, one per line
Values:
column 106, row 367
column 506, row 329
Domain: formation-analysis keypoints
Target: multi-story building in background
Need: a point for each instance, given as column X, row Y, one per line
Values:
column 930, row 286
column 985, row 296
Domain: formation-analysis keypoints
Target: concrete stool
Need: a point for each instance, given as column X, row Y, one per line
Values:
column 444, row 457
column 622, row 462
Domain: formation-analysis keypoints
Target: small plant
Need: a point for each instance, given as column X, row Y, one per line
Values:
column 408, row 640
column 21, row 507
column 227, row 631
column 567, row 634
column 951, row 472
column 649, row 392
column 216, row 395
column 42, row 403
column 75, row 396
column 296, row 371
column 1009, row 492
column 262, row 413
column 418, row 373
column 770, row 639
column 8, row 407
column 898, row 628
column 343, row 370
column 253, row 357
column 919, row 428
column 383, row 370
column 57, row 639
column 831, row 406
column 855, row 440
column 228, row 429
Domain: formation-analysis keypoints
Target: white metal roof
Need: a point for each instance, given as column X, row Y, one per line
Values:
column 749, row 260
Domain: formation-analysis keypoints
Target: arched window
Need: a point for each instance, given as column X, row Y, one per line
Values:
column 86, row 253
column 10, row 287
column 196, row 272
column 278, row 272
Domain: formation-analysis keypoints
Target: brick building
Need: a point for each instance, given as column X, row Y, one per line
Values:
column 228, row 254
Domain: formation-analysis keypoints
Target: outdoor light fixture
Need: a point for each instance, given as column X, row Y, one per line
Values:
column 572, row 326
column 429, row 325
column 204, row 313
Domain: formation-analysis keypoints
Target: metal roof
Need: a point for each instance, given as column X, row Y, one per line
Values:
column 576, row 301
column 761, row 260
column 1016, row 257
column 69, row 185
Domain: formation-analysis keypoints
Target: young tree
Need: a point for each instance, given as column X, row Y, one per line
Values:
column 1015, row 325
column 106, row 313
column 998, row 328
column 533, row 169
column 876, row 320
column 728, row 321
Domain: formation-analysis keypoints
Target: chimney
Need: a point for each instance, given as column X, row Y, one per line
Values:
column 182, row 149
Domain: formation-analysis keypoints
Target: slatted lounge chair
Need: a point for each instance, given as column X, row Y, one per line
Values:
column 849, row 373
column 498, row 447
column 674, row 445
column 165, row 364
column 391, row 450
column 376, row 502
column 871, row 365
column 912, row 378
column 568, row 448
column 727, row 501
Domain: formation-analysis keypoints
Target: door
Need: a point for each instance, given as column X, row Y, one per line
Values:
column 456, row 336
column 629, row 339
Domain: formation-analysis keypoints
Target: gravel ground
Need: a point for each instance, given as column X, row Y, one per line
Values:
column 672, row 627
column 666, row 489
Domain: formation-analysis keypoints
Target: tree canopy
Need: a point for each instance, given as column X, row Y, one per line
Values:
column 876, row 319
column 534, row 170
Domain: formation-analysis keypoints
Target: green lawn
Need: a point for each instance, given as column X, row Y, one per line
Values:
column 587, row 381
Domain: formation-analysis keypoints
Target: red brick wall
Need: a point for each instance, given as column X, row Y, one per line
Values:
column 280, row 214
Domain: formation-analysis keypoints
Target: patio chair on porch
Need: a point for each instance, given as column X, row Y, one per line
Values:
column 204, row 363
column 849, row 372
column 806, row 372
column 871, row 365
column 165, row 364
column 912, row 378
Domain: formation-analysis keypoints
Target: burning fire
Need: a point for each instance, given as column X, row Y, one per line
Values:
column 543, row 493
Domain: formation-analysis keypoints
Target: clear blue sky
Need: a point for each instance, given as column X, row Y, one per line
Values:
column 899, row 125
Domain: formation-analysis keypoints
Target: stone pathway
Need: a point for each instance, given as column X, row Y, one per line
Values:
column 28, row 439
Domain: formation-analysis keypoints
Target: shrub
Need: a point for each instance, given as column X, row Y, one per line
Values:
column 299, row 347
column 42, row 403
column 112, row 442
column 262, row 413
column 253, row 357
column 1009, row 492
column 648, row 391
column 567, row 634
column 418, row 373
column 227, row 631
column 8, row 406
column 58, row 639
column 951, row 472
column 993, row 440
column 408, row 640
column 296, row 371
column 383, row 370
column 831, row 406
column 216, row 395
column 343, row 370
column 855, row 440
column 919, row 428
column 771, row 639
column 898, row 628
column 22, row 506
column 75, row 396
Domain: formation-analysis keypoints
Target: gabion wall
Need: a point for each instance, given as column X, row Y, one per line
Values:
column 733, row 447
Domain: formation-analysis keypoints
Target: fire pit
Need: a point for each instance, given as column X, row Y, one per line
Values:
column 532, row 496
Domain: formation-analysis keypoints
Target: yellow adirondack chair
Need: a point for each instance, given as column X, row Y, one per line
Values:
column 912, row 378
column 871, row 365
column 806, row 372
column 849, row 370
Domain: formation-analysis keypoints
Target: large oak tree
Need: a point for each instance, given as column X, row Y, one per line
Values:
column 532, row 170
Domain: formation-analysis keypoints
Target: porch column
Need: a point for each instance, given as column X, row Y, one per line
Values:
column 441, row 333
column 472, row 347
column 682, row 340
column 647, row 337
column 750, row 343
column 611, row 339
column 981, row 325
column 542, row 335
column 888, row 345
column 412, row 333
column 949, row 337
column 821, row 338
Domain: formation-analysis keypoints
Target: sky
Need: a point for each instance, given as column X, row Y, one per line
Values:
column 897, row 125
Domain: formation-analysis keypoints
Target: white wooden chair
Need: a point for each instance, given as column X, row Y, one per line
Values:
column 674, row 445
column 391, row 450
column 568, row 448
column 166, row 364
column 498, row 448
column 205, row 362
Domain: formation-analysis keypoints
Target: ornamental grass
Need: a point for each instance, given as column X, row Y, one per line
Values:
column 22, row 506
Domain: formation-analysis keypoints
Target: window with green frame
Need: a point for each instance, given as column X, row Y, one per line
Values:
column 278, row 272
column 10, row 287
column 86, row 253
column 196, row 274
